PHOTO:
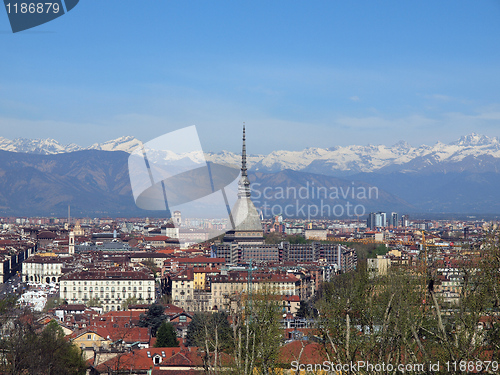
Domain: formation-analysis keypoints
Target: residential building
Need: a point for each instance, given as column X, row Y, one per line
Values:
column 110, row 287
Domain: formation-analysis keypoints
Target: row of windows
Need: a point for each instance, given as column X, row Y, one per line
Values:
column 240, row 285
column 182, row 297
column 38, row 265
column 105, row 282
column 107, row 296
column 107, row 288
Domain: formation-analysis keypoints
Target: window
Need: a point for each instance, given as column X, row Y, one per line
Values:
column 89, row 337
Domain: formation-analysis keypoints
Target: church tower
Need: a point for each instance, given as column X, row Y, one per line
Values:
column 71, row 242
column 248, row 228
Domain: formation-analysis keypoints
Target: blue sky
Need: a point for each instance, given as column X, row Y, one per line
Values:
column 299, row 73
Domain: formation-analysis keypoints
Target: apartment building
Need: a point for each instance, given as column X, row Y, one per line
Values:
column 182, row 289
column 226, row 287
column 44, row 269
column 109, row 287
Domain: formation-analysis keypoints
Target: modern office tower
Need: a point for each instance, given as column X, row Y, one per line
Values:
column 394, row 222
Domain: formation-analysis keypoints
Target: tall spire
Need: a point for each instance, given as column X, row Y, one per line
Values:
column 244, row 155
column 244, row 183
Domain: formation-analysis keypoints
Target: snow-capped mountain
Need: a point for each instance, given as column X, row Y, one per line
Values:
column 364, row 159
column 470, row 151
column 36, row 146
column 51, row 146
column 127, row 144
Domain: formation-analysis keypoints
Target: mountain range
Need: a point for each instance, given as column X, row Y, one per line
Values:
column 96, row 183
column 41, row 177
column 472, row 152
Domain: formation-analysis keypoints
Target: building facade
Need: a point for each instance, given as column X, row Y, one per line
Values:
column 226, row 288
column 109, row 288
column 43, row 269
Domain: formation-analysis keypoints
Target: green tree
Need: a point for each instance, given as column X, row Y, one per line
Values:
column 26, row 351
column 306, row 310
column 205, row 325
column 195, row 334
column 53, row 302
column 129, row 301
column 151, row 265
column 94, row 302
column 166, row 336
column 379, row 250
column 153, row 318
column 257, row 334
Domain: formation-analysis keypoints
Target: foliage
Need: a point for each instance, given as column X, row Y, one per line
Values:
column 53, row 302
column 205, row 326
column 196, row 329
column 166, row 299
column 166, row 336
column 151, row 265
column 379, row 250
column 276, row 238
column 266, row 332
column 257, row 334
column 7, row 304
column 400, row 317
column 306, row 310
column 363, row 251
column 94, row 302
column 153, row 318
column 26, row 351
column 129, row 301
column 273, row 238
column 296, row 239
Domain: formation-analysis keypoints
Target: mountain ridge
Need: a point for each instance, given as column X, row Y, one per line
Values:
column 472, row 151
column 96, row 183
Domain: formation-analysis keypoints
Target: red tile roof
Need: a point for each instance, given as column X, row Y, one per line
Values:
column 303, row 351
